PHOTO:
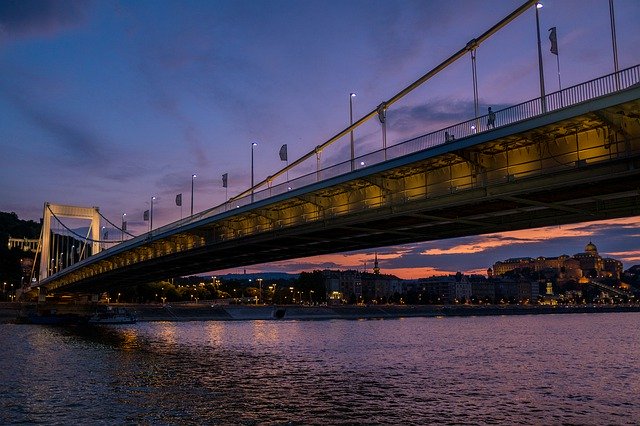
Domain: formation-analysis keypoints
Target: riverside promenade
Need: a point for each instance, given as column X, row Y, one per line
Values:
column 214, row 312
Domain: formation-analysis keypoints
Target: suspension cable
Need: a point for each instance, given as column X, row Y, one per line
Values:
column 474, row 43
column 115, row 226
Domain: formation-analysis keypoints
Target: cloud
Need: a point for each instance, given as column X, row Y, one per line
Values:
column 418, row 272
column 626, row 256
column 40, row 17
column 79, row 145
column 532, row 236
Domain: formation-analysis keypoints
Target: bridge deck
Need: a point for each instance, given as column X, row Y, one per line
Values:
column 573, row 164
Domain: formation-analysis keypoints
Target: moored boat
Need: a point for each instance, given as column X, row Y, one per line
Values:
column 113, row 316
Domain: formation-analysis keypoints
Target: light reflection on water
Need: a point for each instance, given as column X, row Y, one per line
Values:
column 547, row 369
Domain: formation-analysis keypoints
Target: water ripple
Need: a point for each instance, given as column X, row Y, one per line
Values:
column 529, row 370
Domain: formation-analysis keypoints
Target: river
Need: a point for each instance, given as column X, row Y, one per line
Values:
column 533, row 369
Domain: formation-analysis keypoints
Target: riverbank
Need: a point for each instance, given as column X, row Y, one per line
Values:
column 201, row 312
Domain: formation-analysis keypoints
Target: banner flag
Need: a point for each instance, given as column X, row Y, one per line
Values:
column 179, row 200
column 225, row 181
column 145, row 215
column 553, row 38
column 124, row 226
column 283, row 152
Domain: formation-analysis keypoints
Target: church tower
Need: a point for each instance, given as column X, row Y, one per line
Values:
column 376, row 268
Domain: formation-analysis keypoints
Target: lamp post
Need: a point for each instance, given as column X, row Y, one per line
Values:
column 540, row 66
column 353, row 148
column 253, row 144
column 193, row 176
column 260, row 285
column 122, row 228
column 151, row 215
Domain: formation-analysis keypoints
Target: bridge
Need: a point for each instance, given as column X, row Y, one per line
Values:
column 564, row 157
column 578, row 161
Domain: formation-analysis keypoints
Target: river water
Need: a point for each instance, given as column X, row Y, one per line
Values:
column 540, row 369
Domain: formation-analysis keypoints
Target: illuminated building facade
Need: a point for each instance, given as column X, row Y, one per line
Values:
column 587, row 264
column 25, row 244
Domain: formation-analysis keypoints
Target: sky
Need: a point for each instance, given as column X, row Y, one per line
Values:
column 108, row 103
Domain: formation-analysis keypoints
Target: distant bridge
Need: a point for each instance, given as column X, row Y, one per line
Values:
column 578, row 161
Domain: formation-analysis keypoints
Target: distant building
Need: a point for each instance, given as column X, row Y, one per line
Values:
column 516, row 290
column 482, row 289
column 354, row 286
column 342, row 286
column 379, row 286
column 447, row 289
column 586, row 264
column 25, row 244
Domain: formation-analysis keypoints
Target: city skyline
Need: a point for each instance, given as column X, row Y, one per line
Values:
column 132, row 100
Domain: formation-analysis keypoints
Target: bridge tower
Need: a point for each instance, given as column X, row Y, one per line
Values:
column 57, row 210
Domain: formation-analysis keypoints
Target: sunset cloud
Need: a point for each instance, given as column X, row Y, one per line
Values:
column 626, row 256
column 531, row 236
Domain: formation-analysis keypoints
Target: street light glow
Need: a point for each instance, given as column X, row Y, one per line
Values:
column 193, row 176
column 253, row 144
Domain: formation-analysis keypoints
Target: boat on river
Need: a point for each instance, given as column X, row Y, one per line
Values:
column 113, row 315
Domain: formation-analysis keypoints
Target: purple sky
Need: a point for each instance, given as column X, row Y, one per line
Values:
column 106, row 103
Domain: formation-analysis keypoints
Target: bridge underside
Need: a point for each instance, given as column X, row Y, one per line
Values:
column 581, row 165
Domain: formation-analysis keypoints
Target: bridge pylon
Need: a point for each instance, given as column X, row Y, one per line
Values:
column 75, row 212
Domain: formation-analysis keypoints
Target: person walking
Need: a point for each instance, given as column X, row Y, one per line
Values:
column 491, row 119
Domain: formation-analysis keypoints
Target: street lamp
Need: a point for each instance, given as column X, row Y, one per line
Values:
column 543, row 101
column 122, row 228
column 253, row 144
column 353, row 150
column 151, row 215
column 260, row 285
column 193, row 176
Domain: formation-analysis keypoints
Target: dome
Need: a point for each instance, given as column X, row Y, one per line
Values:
column 591, row 248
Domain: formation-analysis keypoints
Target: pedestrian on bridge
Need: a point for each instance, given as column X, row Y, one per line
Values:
column 491, row 120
